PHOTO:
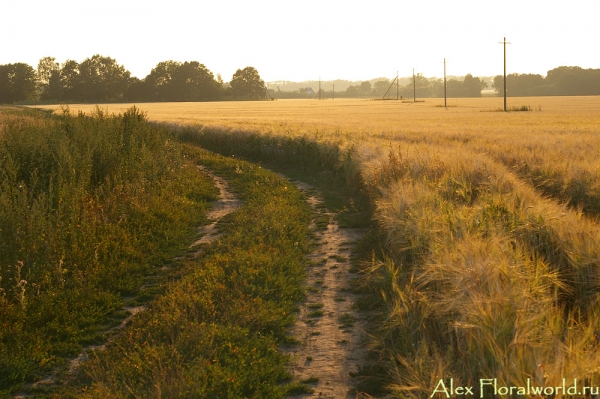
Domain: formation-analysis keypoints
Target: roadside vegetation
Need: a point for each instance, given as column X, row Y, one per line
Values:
column 101, row 209
column 91, row 208
column 215, row 332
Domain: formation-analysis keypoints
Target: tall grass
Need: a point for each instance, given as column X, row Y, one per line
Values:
column 215, row 332
column 90, row 205
column 304, row 153
column 485, row 278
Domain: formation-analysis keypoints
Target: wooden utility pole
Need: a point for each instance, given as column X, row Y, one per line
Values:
column 445, row 103
column 505, row 43
column 396, row 85
column 319, row 87
column 414, row 87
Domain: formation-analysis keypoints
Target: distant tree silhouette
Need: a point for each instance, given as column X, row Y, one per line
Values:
column 70, row 81
column 176, row 81
column 102, row 79
column 194, row 82
column 18, row 82
column 160, row 81
column 472, row 86
column 454, row 88
column 247, row 84
column 138, row 90
column 365, row 88
column 48, row 73
column 561, row 81
column 381, row 86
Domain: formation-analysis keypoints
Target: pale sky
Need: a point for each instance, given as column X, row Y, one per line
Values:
column 307, row 39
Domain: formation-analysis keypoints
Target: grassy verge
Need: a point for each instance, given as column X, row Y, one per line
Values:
column 215, row 332
column 90, row 206
column 334, row 169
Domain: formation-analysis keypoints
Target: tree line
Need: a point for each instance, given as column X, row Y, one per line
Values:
column 421, row 86
column 102, row 79
column 561, row 81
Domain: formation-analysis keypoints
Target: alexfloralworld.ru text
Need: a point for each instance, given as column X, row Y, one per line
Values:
column 447, row 388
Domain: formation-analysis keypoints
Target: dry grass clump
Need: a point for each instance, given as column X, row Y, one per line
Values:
column 485, row 278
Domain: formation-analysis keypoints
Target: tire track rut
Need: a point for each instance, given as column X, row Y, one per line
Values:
column 329, row 329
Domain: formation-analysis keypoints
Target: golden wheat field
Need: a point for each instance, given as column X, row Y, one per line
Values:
column 382, row 117
column 489, row 221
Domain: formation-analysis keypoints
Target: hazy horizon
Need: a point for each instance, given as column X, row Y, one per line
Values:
column 308, row 40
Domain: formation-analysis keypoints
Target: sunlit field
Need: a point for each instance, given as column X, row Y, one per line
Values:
column 380, row 117
column 489, row 258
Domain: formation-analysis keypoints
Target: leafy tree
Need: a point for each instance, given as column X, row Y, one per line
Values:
column 138, row 90
column 352, row 91
column 518, row 84
column 381, row 86
column 568, row 81
column 454, row 88
column 188, row 81
column 421, row 81
column 70, row 81
column 103, row 79
column 48, row 73
column 246, row 83
column 192, row 81
column 365, row 88
column 160, row 81
column 498, row 84
column 473, row 86
column 422, row 84
column 17, row 82
column 437, row 89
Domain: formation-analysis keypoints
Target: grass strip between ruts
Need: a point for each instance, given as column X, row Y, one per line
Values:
column 215, row 332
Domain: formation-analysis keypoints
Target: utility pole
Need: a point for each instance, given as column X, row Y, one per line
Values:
column 319, row 87
column 396, row 85
column 414, row 87
column 445, row 102
column 505, row 43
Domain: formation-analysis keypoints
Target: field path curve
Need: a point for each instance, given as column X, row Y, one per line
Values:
column 328, row 328
column 226, row 204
